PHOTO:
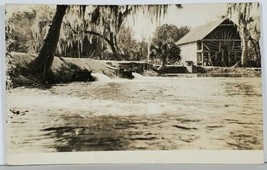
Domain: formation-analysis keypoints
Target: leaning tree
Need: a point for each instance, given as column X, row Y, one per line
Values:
column 43, row 63
column 103, row 16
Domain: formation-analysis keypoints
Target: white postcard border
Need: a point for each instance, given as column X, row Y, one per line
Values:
column 228, row 156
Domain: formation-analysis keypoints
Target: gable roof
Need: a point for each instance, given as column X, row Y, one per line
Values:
column 200, row 32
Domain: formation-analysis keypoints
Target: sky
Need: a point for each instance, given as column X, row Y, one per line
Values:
column 190, row 15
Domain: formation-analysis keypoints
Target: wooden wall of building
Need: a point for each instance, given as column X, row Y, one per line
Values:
column 188, row 52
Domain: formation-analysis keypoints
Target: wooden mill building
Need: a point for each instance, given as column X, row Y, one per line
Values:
column 214, row 44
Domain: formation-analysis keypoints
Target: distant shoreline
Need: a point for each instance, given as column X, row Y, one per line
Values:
column 64, row 68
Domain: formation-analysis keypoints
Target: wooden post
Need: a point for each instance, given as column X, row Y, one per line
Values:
column 202, row 54
column 210, row 60
column 216, row 57
column 79, row 50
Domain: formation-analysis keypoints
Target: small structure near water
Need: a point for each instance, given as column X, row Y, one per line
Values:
column 124, row 69
column 173, row 69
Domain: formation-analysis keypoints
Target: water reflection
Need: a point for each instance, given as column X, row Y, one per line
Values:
column 160, row 113
column 98, row 133
column 122, row 133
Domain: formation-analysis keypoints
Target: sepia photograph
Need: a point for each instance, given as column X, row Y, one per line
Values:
column 133, row 78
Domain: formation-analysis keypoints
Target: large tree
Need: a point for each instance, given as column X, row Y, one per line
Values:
column 170, row 31
column 243, row 13
column 42, row 64
column 105, row 22
column 40, row 25
column 83, row 25
column 254, row 45
column 129, row 47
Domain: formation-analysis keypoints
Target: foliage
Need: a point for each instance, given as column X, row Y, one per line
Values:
column 9, row 32
column 31, row 28
column 169, row 31
column 41, row 66
column 87, row 31
column 249, row 28
column 84, row 24
column 166, row 51
column 102, row 23
column 254, row 54
column 22, row 35
column 129, row 48
column 40, row 25
column 163, row 45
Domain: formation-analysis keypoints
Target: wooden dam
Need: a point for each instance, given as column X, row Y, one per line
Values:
column 124, row 69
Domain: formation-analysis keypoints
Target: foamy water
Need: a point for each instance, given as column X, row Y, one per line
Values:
column 138, row 76
column 101, row 77
column 143, row 113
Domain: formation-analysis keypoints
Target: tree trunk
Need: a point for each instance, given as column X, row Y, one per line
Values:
column 256, row 46
column 79, row 49
column 43, row 63
column 258, row 53
column 163, row 62
column 244, row 54
column 116, row 45
column 148, row 51
column 113, row 47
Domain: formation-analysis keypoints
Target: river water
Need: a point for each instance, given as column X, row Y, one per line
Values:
column 146, row 113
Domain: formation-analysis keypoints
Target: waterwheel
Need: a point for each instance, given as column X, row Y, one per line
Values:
column 224, row 47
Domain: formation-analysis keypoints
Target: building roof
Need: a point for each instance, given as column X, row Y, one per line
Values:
column 200, row 32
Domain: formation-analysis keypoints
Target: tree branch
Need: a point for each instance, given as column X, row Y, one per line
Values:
column 97, row 34
column 74, row 31
column 127, row 11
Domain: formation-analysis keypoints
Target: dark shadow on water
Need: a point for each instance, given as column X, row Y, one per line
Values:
column 104, row 133
column 92, row 134
column 68, row 139
column 237, row 88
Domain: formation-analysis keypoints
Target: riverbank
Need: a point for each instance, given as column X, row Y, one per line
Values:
column 70, row 69
column 146, row 113
column 63, row 69
column 245, row 72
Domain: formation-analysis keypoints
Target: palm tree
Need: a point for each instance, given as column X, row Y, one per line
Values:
column 165, row 50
